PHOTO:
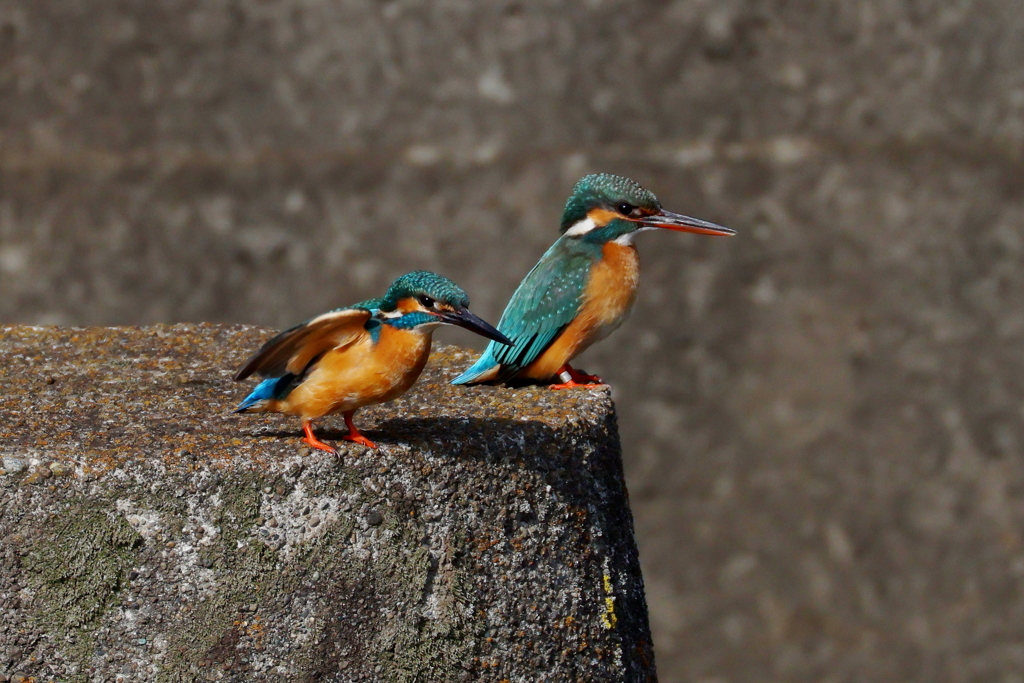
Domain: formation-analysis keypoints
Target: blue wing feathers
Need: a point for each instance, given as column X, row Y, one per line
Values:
column 484, row 364
column 546, row 301
column 274, row 388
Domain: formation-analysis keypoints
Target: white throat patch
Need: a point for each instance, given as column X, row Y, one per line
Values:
column 627, row 239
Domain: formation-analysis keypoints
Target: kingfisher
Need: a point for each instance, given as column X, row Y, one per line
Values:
column 582, row 288
column 352, row 357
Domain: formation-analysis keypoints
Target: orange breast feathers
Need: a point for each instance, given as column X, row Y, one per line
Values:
column 361, row 374
column 610, row 293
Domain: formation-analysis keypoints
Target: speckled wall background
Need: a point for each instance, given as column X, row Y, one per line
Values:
column 823, row 418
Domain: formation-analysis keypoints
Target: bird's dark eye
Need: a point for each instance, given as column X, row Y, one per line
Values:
column 426, row 301
column 625, row 209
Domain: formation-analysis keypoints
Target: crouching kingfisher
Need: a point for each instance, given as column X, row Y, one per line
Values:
column 352, row 357
column 583, row 286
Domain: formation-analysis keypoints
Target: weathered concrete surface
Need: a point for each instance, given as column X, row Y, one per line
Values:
column 147, row 535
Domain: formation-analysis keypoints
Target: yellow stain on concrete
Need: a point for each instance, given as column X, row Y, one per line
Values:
column 608, row 619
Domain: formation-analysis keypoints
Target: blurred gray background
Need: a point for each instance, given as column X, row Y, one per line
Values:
column 823, row 418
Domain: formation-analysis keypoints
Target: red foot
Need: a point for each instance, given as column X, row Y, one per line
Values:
column 577, row 379
column 574, row 385
column 359, row 439
column 315, row 442
column 589, row 379
column 353, row 433
column 582, row 377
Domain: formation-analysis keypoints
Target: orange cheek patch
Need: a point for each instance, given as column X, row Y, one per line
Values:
column 602, row 217
column 408, row 305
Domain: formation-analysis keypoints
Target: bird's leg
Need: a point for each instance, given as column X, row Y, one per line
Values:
column 572, row 378
column 582, row 377
column 353, row 433
column 311, row 439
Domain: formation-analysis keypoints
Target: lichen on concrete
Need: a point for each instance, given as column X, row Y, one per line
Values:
column 150, row 535
column 79, row 565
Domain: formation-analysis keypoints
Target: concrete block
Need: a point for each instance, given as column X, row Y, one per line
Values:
column 147, row 534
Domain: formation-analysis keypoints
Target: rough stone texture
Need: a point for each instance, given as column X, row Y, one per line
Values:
column 147, row 534
column 823, row 418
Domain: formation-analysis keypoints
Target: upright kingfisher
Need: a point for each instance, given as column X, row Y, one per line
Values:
column 583, row 286
column 352, row 357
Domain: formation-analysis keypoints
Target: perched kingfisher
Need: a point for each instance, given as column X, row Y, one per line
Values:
column 583, row 286
column 352, row 357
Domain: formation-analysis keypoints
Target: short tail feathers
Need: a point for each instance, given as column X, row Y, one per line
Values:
column 485, row 369
column 275, row 388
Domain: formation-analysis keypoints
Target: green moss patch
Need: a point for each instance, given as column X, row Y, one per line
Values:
column 79, row 566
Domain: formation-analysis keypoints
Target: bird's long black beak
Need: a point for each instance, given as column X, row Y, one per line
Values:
column 463, row 318
column 681, row 223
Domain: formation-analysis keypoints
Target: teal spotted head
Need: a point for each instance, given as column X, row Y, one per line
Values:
column 605, row 208
column 423, row 300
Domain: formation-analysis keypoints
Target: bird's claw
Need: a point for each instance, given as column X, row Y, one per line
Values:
column 573, row 384
column 573, row 379
column 320, row 445
column 359, row 439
